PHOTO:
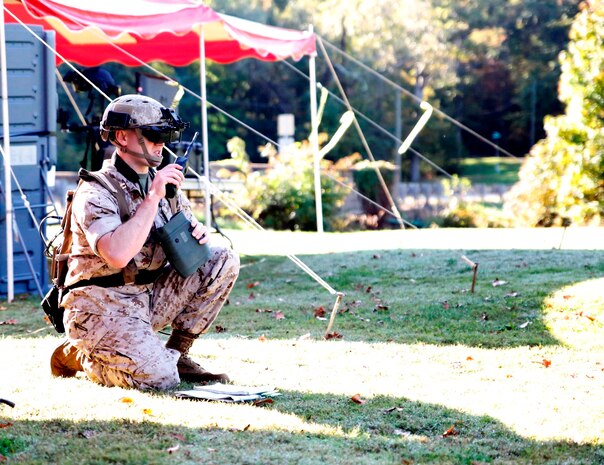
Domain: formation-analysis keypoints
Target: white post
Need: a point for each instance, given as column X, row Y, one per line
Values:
column 7, row 170
column 314, row 140
column 204, row 126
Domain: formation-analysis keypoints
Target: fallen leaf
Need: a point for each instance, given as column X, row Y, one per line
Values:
column 246, row 427
column 546, row 363
column 262, row 338
column 392, row 409
column 254, row 284
column 262, row 401
column 589, row 317
column 9, row 322
column 171, row 450
column 220, row 329
column 450, row 432
column 333, row 335
column 402, row 432
column 368, row 290
column 3, row 458
column 148, row 411
column 446, row 305
column 382, row 308
column 126, row 400
column 251, row 296
column 469, row 357
column 2, row 307
column 5, row 425
column 320, row 311
column 498, row 282
column 357, row 399
column 567, row 297
column 279, row 316
column 180, row 437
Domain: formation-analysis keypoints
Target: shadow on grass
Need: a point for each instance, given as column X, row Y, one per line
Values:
column 384, row 430
column 413, row 296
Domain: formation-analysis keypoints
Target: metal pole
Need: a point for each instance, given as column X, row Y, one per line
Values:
column 7, row 165
column 314, row 140
column 398, row 132
column 204, row 126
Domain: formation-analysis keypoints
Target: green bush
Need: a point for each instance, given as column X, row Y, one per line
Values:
column 283, row 196
column 367, row 183
column 562, row 180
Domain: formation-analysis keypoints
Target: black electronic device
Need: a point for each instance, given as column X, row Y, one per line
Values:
column 182, row 162
column 184, row 252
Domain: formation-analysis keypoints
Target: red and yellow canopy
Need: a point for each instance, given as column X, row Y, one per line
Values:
column 92, row 32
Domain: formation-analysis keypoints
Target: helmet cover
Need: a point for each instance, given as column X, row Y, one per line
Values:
column 138, row 111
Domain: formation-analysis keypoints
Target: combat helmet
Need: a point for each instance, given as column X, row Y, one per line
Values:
column 158, row 123
column 149, row 118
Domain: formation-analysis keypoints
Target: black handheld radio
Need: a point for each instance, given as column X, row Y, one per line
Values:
column 181, row 161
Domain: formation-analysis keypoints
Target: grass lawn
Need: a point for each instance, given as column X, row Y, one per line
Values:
column 510, row 374
column 490, row 170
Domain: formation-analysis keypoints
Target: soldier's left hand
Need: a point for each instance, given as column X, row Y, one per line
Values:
column 199, row 232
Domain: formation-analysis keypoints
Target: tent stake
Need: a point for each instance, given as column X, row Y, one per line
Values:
column 474, row 267
column 339, row 296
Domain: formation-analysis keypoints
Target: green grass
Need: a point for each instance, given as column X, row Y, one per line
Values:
column 490, row 170
column 515, row 369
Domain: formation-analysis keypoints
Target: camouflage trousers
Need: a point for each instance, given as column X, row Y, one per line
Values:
column 115, row 328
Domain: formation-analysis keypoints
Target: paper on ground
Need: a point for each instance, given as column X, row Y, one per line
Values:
column 229, row 393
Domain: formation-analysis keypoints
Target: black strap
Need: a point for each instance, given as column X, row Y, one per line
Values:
column 115, row 280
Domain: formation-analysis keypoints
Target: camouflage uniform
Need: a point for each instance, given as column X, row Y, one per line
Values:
column 114, row 327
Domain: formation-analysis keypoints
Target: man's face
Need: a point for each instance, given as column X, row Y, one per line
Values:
column 153, row 156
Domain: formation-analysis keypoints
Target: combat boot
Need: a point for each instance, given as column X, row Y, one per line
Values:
column 188, row 369
column 65, row 361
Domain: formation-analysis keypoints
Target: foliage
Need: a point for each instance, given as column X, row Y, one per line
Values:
column 459, row 213
column 367, row 183
column 283, row 195
column 472, row 215
column 562, row 181
column 490, row 64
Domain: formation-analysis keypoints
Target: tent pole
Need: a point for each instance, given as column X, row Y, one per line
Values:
column 204, row 127
column 314, row 139
column 8, row 191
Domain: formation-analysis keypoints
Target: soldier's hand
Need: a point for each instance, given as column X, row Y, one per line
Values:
column 169, row 174
column 199, row 232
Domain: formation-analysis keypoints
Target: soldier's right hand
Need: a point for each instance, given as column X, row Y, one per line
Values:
column 169, row 174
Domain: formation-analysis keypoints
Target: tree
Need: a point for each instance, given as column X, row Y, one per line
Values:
column 562, row 180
